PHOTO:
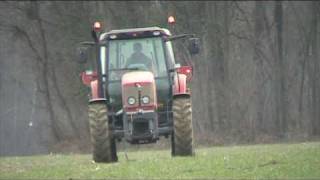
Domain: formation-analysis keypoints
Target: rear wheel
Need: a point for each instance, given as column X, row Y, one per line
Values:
column 182, row 137
column 104, row 145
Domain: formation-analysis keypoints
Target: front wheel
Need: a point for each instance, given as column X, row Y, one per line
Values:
column 104, row 145
column 182, row 136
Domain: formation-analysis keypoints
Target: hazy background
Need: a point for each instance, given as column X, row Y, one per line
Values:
column 256, row 80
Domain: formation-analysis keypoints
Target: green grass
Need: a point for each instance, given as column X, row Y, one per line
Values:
column 255, row 161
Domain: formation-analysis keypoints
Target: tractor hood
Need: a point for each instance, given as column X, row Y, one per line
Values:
column 137, row 77
column 138, row 91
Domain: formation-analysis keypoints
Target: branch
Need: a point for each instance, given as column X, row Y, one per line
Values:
column 244, row 15
column 242, row 37
column 29, row 41
column 13, row 5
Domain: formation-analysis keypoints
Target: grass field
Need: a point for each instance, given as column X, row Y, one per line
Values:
column 250, row 162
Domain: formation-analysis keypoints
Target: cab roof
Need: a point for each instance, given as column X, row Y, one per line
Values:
column 132, row 32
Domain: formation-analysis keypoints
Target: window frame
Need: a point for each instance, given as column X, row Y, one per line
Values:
column 164, row 50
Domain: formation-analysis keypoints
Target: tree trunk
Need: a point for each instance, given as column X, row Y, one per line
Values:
column 281, row 119
column 257, row 123
column 315, row 77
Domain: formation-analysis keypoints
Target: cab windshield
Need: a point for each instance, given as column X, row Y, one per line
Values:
column 136, row 54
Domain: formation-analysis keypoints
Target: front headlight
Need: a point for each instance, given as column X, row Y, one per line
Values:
column 145, row 100
column 131, row 100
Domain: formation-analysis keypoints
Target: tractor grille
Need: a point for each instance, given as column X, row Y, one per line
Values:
column 141, row 128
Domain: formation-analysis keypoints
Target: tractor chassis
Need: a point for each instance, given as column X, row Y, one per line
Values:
column 141, row 128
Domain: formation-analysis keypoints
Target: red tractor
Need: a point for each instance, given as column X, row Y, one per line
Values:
column 137, row 91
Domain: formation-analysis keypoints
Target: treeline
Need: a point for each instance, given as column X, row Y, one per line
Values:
column 257, row 78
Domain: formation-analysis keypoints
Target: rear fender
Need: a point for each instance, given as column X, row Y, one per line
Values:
column 97, row 100
column 88, row 76
column 180, row 85
column 187, row 70
column 90, row 79
column 94, row 90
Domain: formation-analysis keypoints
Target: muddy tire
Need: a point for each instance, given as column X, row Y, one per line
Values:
column 104, row 146
column 182, row 136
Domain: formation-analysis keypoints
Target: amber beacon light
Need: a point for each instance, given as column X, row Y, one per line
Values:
column 171, row 20
column 97, row 26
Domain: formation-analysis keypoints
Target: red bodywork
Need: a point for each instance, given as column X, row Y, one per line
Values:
column 180, row 81
column 88, row 76
column 186, row 70
column 139, row 79
column 91, row 79
column 94, row 89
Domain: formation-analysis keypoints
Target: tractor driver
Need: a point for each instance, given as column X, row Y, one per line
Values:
column 138, row 57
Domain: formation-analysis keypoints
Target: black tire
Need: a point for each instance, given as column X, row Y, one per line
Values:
column 104, row 145
column 182, row 136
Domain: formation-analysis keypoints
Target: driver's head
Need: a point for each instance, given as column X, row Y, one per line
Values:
column 137, row 47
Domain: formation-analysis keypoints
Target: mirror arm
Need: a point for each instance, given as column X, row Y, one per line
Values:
column 172, row 38
column 91, row 43
column 87, row 43
column 94, row 36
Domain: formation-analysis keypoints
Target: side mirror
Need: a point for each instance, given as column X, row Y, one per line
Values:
column 83, row 51
column 83, row 55
column 194, row 46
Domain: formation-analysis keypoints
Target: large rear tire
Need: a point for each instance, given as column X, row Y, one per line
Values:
column 104, row 146
column 182, row 137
